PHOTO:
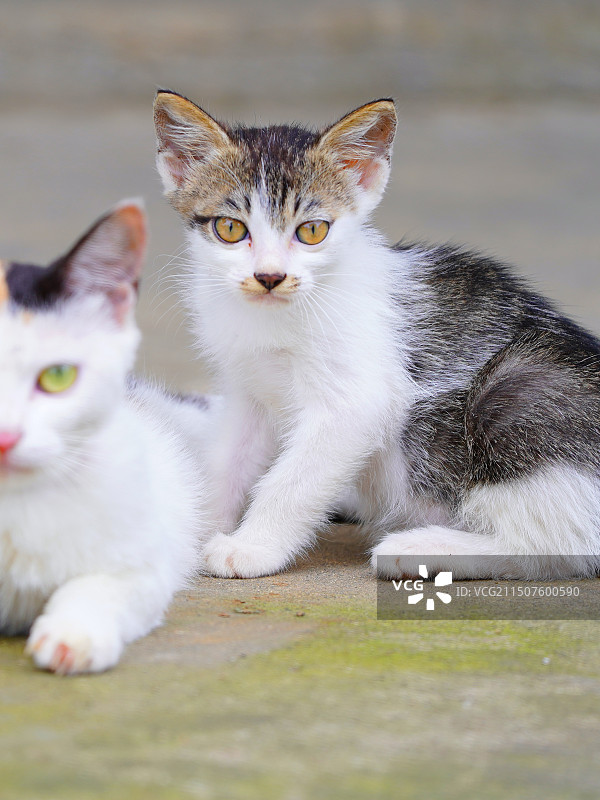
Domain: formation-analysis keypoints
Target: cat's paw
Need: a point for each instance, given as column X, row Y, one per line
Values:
column 235, row 557
column 399, row 555
column 390, row 560
column 67, row 647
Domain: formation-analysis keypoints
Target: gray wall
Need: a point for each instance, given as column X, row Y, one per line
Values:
column 499, row 143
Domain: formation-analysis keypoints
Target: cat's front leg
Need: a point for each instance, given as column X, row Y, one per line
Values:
column 324, row 453
column 87, row 621
column 241, row 450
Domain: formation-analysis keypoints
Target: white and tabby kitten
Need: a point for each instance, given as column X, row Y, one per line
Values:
column 424, row 389
column 98, row 488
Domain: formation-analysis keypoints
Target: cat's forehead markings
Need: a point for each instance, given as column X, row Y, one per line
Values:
column 311, row 205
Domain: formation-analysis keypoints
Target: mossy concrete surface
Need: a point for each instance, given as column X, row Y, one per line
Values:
column 289, row 687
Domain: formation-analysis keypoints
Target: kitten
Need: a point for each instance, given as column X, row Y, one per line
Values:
column 98, row 489
column 424, row 389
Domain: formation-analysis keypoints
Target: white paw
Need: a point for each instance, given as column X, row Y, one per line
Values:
column 388, row 561
column 442, row 549
column 67, row 647
column 235, row 557
column 399, row 555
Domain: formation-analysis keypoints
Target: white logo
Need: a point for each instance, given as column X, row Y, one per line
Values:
column 441, row 579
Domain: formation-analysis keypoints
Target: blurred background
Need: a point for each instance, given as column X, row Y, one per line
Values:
column 498, row 147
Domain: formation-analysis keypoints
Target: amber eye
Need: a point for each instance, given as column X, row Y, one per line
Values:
column 58, row 378
column 230, row 230
column 312, row 232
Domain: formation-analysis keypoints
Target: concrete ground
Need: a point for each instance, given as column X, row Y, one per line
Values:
column 288, row 686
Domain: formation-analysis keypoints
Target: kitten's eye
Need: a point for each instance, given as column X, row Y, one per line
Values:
column 56, row 379
column 230, row 230
column 312, row 232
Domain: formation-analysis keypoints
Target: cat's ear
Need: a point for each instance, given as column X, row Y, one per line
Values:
column 361, row 142
column 108, row 258
column 185, row 135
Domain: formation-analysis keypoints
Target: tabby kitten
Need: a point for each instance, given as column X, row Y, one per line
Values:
column 426, row 390
column 98, row 488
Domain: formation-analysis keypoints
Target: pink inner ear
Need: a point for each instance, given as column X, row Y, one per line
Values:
column 176, row 164
column 121, row 300
column 369, row 170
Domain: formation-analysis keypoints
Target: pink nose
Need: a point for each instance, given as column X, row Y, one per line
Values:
column 8, row 440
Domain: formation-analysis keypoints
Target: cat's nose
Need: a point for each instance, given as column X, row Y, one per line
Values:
column 8, row 440
column 269, row 281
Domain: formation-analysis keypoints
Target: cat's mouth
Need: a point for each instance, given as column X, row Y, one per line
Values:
column 269, row 298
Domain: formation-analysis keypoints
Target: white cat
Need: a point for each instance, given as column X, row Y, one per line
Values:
column 424, row 389
column 99, row 491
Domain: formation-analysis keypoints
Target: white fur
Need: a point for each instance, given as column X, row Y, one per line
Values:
column 99, row 518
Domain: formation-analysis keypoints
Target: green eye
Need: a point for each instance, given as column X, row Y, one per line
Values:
column 312, row 232
column 56, row 379
column 230, row 230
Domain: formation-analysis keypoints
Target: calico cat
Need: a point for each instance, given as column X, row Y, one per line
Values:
column 426, row 390
column 99, row 491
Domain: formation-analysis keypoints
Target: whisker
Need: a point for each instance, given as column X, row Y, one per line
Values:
column 319, row 302
column 310, row 299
